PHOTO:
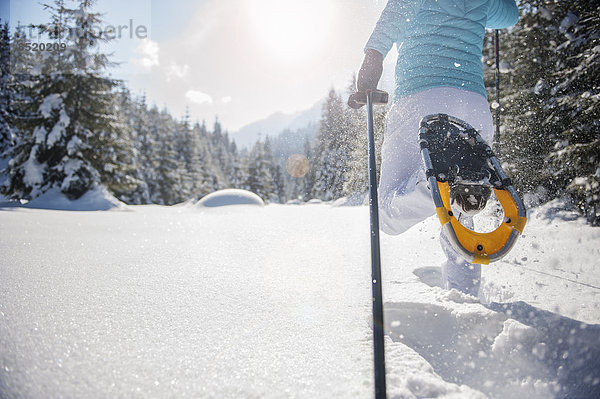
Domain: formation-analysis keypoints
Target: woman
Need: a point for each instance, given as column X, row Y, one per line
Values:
column 438, row 70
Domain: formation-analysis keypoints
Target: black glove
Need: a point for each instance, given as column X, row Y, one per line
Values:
column 368, row 75
column 370, row 71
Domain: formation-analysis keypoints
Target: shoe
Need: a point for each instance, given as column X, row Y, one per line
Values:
column 468, row 197
column 469, row 173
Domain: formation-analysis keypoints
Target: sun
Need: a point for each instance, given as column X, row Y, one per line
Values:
column 291, row 30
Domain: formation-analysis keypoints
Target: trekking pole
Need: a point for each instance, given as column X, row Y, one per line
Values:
column 378, row 342
column 497, row 110
column 370, row 98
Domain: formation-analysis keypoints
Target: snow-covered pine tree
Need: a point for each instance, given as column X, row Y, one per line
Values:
column 331, row 153
column 69, row 140
column 575, row 107
column 550, row 101
column 236, row 173
column 287, row 143
column 217, row 156
column 6, row 98
column 167, row 187
column 356, row 179
column 529, row 55
column 279, row 194
column 223, row 158
column 308, row 181
column 187, row 158
column 340, row 159
column 205, row 178
column 6, row 92
column 122, row 159
column 134, row 112
column 23, row 114
column 206, row 175
column 228, row 158
column 277, row 183
column 259, row 179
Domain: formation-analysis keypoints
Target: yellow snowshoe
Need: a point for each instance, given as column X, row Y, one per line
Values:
column 462, row 171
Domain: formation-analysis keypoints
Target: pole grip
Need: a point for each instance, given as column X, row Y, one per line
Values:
column 378, row 97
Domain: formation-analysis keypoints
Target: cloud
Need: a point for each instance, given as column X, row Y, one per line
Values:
column 148, row 49
column 177, row 71
column 198, row 97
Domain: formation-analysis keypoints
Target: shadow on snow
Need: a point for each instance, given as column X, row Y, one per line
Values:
column 501, row 349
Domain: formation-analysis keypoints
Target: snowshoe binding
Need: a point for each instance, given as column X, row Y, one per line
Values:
column 462, row 172
column 470, row 197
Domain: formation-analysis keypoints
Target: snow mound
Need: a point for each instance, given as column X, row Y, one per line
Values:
column 96, row 199
column 231, row 196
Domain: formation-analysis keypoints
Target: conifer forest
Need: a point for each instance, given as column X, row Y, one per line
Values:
column 66, row 124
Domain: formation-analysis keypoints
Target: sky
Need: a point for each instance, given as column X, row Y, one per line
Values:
column 238, row 60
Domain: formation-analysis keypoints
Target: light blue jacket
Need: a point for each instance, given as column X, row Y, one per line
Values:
column 439, row 42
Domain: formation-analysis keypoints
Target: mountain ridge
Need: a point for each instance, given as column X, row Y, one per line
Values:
column 277, row 123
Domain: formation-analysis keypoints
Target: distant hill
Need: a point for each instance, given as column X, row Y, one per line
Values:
column 275, row 124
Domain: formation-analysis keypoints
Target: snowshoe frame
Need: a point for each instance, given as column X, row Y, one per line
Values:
column 481, row 248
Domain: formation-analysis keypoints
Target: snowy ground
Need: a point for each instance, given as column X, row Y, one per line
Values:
column 265, row 302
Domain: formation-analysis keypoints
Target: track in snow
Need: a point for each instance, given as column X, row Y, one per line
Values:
column 502, row 350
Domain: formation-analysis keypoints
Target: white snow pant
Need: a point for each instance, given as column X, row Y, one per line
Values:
column 404, row 199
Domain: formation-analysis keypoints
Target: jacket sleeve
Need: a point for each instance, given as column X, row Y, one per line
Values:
column 391, row 24
column 502, row 14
